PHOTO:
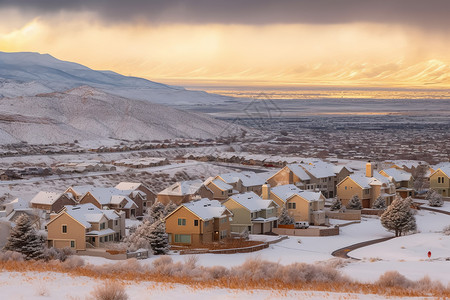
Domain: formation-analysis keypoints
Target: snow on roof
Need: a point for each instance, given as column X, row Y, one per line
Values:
column 284, row 192
column 103, row 232
column 398, row 175
column 105, row 196
column 366, row 182
column 18, row 203
column 251, row 201
column 222, row 185
column 47, row 198
column 248, row 178
column 128, row 185
column 299, row 172
column 206, row 209
column 183, row 188
column 408, row 163
column 89, row 213
column 320, row 169
column 93, row 218
column 445, row 169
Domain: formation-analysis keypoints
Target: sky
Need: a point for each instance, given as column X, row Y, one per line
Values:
column 342, row 43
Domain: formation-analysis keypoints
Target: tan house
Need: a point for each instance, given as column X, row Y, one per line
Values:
column 302, row 205
column 220, row 189
column 84, row 226
column 403, row 181
column 184, row 191
column 52, row 202
column 252, row 213
column 142, row 201
column 316, row 176
column 440, row 180
column 243, row 182
column 198, row 222
column 368, row 187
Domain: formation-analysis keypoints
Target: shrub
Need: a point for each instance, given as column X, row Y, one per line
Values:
column 394, row 279
column 379, row 203
column 446, row 230
column 336, row 204
column 110, row 290
column 354, row 203
column 11, row 256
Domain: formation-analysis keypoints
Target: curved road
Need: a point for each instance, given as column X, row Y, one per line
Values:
column 343, row 252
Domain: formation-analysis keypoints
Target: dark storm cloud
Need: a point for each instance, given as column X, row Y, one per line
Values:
column 422, row 13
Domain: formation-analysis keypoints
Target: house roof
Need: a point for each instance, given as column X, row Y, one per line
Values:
column 247, row 178
column 182, row 188
column 320, row 169
column 17, row 204
column 128, row 185
column 299, row 172
column 107, row 196
column 47, row 198
column 88, row 213
column 252, row 202
column 367, row 182
column 445, row 169
column 219, row 183
column 206, row 209
column 285, row 192
column 397, row 174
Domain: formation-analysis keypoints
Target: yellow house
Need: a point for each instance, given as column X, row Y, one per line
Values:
column 252, row 213
column 84, row 226
column 302, row 205
column 220, row 189
column 403, row 181
column 440, row 180
column 184, row 191
column 368, row 187
column 198, row 222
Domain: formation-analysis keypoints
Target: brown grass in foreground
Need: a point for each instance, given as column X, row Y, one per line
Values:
column 253, row 274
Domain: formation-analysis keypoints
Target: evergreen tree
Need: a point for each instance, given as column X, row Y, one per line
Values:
column 354, row 203
column 434, row 199
column 139, row 239
column 170, row 208
column 24, row 239
column 158, row 238
column 157, row 211
column 285, row 218
column 399, row 217
column 336, row 204
column 380, row 203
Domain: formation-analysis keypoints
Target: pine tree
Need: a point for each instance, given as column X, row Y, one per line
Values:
column 434, row 199
column 158, row 238
column 380, row 203
column 157, row 211
column 285, row 218
column 24, row 239
column 336, row 204
column 139, row 239
column 399, row 217
column 170, row 208
column 354, row 203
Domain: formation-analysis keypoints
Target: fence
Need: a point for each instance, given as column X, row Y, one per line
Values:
column 311, row 231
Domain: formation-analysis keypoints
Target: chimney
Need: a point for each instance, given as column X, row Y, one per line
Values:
column 369, row 169
column 266, row 191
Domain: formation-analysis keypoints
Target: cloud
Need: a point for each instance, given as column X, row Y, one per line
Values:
column 430, row 14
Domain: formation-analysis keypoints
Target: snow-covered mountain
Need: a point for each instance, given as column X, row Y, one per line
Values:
column 88, row 114
column 28, row 74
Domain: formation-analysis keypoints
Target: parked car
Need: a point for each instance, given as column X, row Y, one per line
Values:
column 301, row 225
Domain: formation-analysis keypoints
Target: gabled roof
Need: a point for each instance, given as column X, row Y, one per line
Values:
column 106, row 196
column 18, row 204
column 299, row 172
column 88, row 213
column 182, row 188
column 445, row 168
column 367, row 182
column 252, row 202
column 206, row 209
column 47, row 198
column 397, row 174
column 219, row 183
column 128, row 185
column 320, row 169
column 285, row 192
column 247, row 178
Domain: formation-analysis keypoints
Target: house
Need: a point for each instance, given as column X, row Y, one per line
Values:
column 52, row 202
column 14, row 205
column 11, row 211
column 301, row 205
column 403, row 181
column 252, row 213
column 198, row 222
column 440, row 180
column 243, row 182
column 84, row 226
column 317, row 176
column 220, row 189
column 367, row 186
column 184, row 191
column 142, row 202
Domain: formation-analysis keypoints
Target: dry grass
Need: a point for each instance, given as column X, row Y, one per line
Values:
column 253, row 274
column 110, row 290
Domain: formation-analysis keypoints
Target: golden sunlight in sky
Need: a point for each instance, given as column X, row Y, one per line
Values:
column 351, row 54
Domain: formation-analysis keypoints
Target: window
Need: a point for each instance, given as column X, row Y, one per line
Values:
column 144, row 204
column 222, row 192
column 101, row 239
column 102, row 226
column 116, row 222
column 223, row 234
column 292, row 205
column 181, row 222
column 72, row 244
column 439, row 179
column 345, row 187
column 64, row 229
column 183, row 238
column 223, row 220
column 195, row 222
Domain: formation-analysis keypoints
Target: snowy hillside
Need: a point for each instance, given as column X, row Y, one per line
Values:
column 27, row 74
column 85, row 113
